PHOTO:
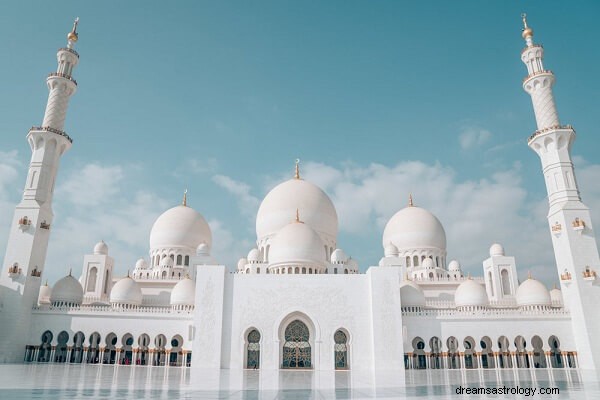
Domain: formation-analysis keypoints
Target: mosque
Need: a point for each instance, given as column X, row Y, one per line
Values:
column 296, row 300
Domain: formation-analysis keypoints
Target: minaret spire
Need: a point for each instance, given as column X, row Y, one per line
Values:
column 184, row 201
column 410, row 200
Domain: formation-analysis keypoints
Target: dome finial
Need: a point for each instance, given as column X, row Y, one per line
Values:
column 297, row 174
column 529, row 275
column 527, row 31
column 410, row 200
column 70, row 271
column 73, row 35
column 184, row 201
column 298, row 216
column 128, row 273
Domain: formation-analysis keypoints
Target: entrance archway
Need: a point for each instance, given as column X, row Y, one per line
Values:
column 297, row 352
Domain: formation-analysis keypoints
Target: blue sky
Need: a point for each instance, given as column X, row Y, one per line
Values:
column 378, row 100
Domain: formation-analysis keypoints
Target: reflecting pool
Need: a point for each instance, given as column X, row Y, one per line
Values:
column 60, row 381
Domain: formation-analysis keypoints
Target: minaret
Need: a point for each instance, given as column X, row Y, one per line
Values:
column 569, row 219
column 32, row 221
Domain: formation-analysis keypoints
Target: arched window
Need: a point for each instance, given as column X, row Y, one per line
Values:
column 77, row 351
column 435, row 344
column 253, row 349
column 187, row 261
column 505, row 282
column 45, row 347
column 340, row 350
column 126, row 357
column 106, row 282
column 172, row 257
column 408, row 261
column 175, row 357
column 491, row 282
column 539, row 357
column 92, row 275
column 60, row 353
column 335, row 270
column 419, row 360
column 142, row 354
column 297, row 270
column 258, row 270
column 555, row 352
column 179, row 259
column 94, row 349
column 296, row 349
column 416, row 261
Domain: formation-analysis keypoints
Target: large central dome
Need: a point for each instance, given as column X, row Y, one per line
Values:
column 180, row 226
column 414, row 228
column 281, row 203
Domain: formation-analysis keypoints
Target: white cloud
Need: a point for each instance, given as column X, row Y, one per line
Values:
column 472, row 136
column 92, row 185
column 475, row 213
column 247, row 203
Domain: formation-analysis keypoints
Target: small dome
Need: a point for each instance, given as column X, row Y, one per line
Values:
column 254, row 256
column 184, row 293
column 297, row 243
column 141, row 264
column 389, row 250
column 454, row 266
column 180, row 226
column 556, row 296
column 411, row 295
column 338, row 256
column 281, row 203
column 203, row 250
column 101, row 248
column 242, row 263
column 166, row 262
column 496, row 250
column 532, row 293
column 414, row 228
column 45, row 293
column 67, row 290
column 126, row 291
column 470, row 294
column 352, row 264
column 428, row 263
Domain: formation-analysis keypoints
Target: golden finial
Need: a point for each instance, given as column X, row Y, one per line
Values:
column 70, row 270
column 527, row 31
column 469, row 275
column 297, row 174
column 46, row 284
column 529, row 275
column 128, row 273
column 410, row 200
column 298, row 216
column 184, row 202
column 73, row 36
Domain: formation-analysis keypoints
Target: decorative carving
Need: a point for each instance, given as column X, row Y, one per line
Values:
column 36, row 273
column 589, row 274
column 44, row 225
column 578, row 224
column 14, row 270
column 565, row 276
column 24, row 221
column 556, row 228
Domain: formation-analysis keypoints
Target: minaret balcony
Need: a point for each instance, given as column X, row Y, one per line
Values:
column 69, row 50
column 549, row 129
column 36, row 273
column 60, row 75
column 536, row 73
column 53, row 130
column 534, row 46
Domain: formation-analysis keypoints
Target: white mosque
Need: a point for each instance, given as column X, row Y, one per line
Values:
column 297, row 301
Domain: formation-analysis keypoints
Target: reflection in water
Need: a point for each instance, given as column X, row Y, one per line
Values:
column 59, row 381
